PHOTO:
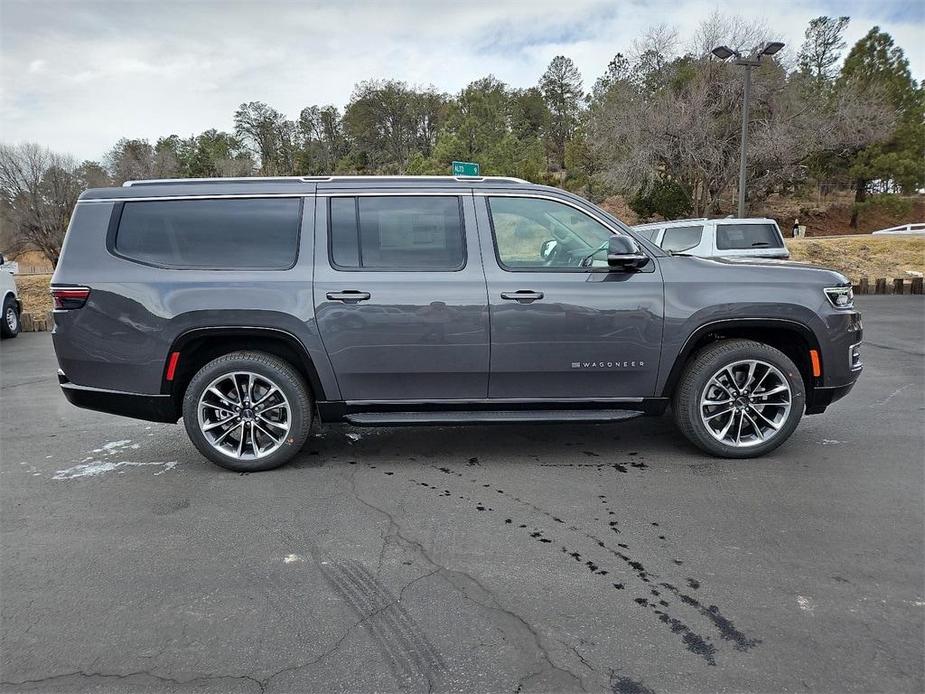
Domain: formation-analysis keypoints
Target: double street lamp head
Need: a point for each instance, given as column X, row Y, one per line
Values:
column 753, row 57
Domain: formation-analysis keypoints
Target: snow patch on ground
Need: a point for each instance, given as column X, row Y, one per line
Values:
column 806, row 604
column 101, row 467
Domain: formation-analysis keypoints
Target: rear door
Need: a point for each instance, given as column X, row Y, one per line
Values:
column 400, row 296
column 561, row 330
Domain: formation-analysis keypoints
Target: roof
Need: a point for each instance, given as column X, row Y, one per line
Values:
column 724, row 220
column 293, row 185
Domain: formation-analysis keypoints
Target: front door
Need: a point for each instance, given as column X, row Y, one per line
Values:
column 563, row 325
column 400, row 296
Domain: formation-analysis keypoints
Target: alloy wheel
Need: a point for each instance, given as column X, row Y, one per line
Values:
column 745, row 403
column 12, row 320
column 244, row 415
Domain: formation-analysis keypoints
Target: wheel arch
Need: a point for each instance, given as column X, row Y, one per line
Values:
column 793, row 338
column 198, row 346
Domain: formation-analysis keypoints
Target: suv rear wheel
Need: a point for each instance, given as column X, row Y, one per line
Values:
column 739, row 399
column 247, row 411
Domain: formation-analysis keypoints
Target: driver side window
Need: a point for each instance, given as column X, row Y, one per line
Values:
column 538, row 234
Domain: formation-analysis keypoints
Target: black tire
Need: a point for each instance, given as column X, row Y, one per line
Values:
column 277, row 371
column 699, row 372
column 10, row 315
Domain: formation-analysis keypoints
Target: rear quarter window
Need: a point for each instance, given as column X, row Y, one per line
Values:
column 747, row 236
column 680, row 239
column 252, row 234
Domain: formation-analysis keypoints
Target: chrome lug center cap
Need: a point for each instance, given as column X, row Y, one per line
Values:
column 247, row 414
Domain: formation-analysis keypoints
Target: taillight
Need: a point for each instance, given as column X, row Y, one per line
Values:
column 69, row 297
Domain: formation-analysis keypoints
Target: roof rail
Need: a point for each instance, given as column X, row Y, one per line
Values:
column 321, row 179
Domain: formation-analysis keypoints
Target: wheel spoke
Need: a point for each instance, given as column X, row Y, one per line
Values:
column 272, row 423
column 266, row 433
column 272, row 391
column 714, row 403
column 212, row 425
column 751, row 374
column 754, row 426
column 774, row 391
column 739, row 432
column 225, row 434
column 718, row 414
column 217, row 393
column 716, row 382
column 770, row 422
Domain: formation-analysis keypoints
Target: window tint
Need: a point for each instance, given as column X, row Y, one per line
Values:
column 536, row 233
column 739, row 236
column 397, row 233
column 253, row 234
column 681, row 238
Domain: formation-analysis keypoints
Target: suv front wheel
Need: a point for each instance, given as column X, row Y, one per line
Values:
column 247, row 411
column 739, row 399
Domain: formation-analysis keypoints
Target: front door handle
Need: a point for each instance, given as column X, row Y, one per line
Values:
column 350, row 296
column 522, row 296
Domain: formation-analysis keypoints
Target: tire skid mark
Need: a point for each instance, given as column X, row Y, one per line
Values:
column 724, row 625
column 410, row 654
column 693, row 641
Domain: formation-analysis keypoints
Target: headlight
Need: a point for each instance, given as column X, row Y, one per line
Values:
column 840, row 297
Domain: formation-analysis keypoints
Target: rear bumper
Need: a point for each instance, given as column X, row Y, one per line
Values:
column 152, row 408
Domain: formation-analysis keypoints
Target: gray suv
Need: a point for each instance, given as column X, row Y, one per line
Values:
column 251, row 307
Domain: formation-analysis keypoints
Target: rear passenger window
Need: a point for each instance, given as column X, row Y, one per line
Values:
column 252, row 234
column 396, row 233
column 681, row 238
column 741, row 236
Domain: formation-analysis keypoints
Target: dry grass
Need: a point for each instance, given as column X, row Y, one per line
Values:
column 857, row 257
column 33, row 293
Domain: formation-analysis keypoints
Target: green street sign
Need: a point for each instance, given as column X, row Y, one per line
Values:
column 465, row 168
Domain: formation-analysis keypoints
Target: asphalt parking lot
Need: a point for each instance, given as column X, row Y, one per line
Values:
column 487, row 559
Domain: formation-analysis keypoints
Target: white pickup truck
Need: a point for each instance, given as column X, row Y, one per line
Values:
column 9, row 325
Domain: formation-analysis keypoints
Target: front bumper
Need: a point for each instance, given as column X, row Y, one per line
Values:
column 152, row 408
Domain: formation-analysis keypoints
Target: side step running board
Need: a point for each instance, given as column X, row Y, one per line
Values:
column 372, row 419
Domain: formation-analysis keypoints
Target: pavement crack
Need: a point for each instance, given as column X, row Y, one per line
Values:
column 491, row 603
column 129, row 675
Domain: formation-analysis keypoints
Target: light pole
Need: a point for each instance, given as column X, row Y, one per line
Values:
column 753, row 59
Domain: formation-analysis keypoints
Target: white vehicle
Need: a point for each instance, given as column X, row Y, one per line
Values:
column 916, row 229
column 711, row 238
column 9, row 325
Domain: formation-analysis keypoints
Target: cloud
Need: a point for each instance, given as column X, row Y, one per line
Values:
column 77, row 76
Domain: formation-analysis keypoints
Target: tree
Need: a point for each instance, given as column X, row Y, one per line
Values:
column 663, row 197
column 323, row 141
column 387, row 122
column 131, row 160
column 561, row 87
column 878, row 69
column 38, row 191
column 822, row 48
column 269, row 135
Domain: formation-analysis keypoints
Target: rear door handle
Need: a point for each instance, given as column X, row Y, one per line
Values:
column 349, row 296
column 523, row 296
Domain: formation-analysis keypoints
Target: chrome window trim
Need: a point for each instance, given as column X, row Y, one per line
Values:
column 552, row 198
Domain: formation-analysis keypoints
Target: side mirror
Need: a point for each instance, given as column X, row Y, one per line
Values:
column 547, row 248
column 624, row 254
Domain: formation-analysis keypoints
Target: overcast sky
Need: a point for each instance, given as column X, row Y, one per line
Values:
column 76, row 76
